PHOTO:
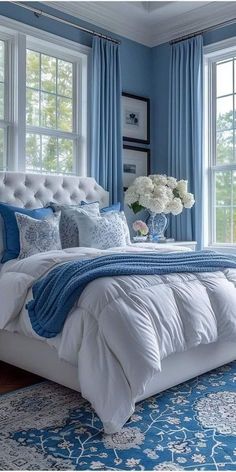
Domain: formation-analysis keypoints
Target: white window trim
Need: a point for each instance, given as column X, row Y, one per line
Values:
column 6, row 123
column 212, row 53
column 20, row 36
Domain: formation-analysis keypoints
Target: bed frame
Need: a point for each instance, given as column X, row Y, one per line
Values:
column 34, row 191
column 41, row 359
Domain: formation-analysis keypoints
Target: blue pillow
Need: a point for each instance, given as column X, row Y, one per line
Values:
column 11, row 231
column 115, row 207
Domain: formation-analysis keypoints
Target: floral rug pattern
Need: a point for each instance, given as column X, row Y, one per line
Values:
column 188, row 427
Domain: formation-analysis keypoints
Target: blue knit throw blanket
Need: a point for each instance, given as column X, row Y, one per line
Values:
column 55, row 294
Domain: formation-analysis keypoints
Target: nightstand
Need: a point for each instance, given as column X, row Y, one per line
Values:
column 188, row 244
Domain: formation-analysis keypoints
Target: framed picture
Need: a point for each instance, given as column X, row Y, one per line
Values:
column 136, row 163
column 136, row 118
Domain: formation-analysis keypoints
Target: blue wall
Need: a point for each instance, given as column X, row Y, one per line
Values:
column 160, row 95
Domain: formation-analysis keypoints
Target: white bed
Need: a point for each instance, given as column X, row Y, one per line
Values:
column 34, row 355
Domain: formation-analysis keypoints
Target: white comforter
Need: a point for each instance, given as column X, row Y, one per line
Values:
column 122, row 327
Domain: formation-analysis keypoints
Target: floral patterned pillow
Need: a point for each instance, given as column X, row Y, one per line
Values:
column 101, row 232
column 38, row 235
column 122, row 216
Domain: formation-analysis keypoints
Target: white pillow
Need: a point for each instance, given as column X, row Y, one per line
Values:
column 38, row 235
column 101, row 232
column 122, row 216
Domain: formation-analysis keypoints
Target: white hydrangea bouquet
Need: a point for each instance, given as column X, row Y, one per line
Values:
column 159, row 194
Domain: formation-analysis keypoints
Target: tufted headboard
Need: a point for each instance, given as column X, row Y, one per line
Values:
column 36, row 190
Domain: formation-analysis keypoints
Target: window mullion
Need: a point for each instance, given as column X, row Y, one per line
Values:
column 51, row 132
column 9, row 104
column 224, row 168
column 40, row 87
column 212, row 146
column 76, row 117
column 56, row 93
column 231, row 211
column 233, row 115
column 20, row 104
column 213, row 116
column 41, row 152
column 6, row 81
column 82, row 109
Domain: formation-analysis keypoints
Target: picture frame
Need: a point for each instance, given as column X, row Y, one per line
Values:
column 136, row 118
column 136, row 163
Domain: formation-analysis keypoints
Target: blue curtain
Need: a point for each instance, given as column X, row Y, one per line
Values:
column 185, row 157
column 106, row 138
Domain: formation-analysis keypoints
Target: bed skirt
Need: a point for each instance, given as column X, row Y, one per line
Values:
column 36, row 356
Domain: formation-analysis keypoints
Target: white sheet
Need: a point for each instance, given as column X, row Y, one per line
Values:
column 122, row 327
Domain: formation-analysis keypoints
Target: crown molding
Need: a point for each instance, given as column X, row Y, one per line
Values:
column 98, row 14
column 205, row 19
column 144, row 26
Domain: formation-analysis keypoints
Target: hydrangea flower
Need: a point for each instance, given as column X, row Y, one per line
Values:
column 159, row 194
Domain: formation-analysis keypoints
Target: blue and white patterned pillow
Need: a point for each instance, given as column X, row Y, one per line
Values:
column 122, row 216
column 69, row 230
column 101, row 232
column 38, row 235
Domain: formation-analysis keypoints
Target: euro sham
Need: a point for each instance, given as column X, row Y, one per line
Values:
column 38, row 235
column 11, row 241
column 69, row 229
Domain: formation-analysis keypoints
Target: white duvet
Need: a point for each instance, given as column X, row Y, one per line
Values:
column 122, row 327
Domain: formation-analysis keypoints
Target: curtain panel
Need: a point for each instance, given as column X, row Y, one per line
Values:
column 106, row 136
column 185, row 156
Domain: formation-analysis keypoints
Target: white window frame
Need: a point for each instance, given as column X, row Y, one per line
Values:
column 20, row 37
column 7, row 122
column 212, row 54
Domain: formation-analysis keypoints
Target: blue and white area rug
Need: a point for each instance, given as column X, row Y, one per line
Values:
column 189, row 427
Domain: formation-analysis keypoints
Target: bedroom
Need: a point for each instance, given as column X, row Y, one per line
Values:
column 128, row 298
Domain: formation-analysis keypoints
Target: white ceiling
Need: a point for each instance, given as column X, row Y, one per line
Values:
column 150, row 22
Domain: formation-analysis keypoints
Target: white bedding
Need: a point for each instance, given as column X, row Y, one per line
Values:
column 122, row 327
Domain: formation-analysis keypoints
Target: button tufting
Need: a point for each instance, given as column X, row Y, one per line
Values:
column 35, row 190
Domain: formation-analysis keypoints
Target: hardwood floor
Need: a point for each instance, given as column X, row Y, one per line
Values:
column 12, row 378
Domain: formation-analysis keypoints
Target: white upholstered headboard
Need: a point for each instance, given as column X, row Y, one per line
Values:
column 36, row 190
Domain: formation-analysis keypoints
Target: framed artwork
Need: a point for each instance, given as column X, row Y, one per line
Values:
column 135, row 118
column 136, row 163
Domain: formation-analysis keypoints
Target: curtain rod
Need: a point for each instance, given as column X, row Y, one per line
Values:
column 211, row 28
column 39, row 13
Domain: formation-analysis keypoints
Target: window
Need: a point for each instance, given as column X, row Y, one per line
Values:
column 221, row 135
column 50, row 136
column 43, row 102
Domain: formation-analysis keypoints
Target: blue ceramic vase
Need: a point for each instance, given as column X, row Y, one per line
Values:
column 157, row 224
